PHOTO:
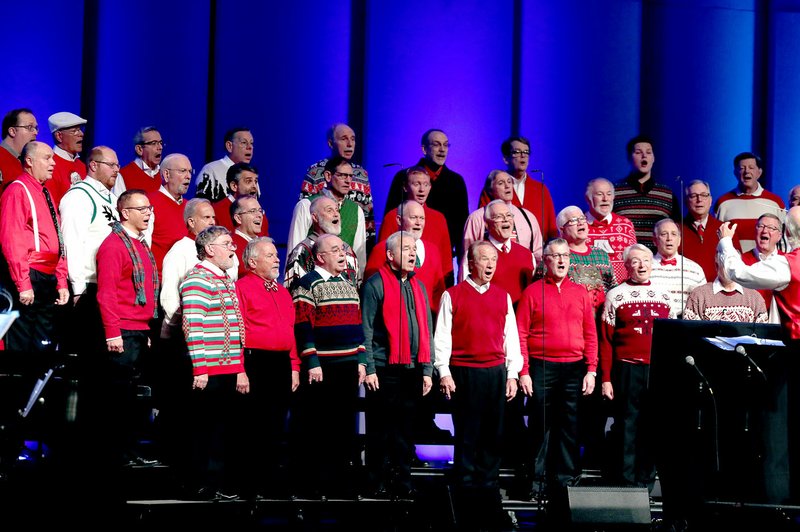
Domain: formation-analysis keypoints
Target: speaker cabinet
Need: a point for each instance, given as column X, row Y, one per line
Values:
column 611, row 505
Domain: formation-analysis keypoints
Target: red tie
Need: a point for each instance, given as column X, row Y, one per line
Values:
column 505, row 248
column 669, row 262
column 701, row 232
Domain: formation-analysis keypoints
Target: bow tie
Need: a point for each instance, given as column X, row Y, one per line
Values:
column 669, row 262
column 601, row 222
column 271, row 285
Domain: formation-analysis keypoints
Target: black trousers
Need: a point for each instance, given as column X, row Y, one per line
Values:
column 478, row 410
column 631, row 460
column 553, row 419
column 264, row 423
column 390, row 416
column 36, row 330
column 326, row 428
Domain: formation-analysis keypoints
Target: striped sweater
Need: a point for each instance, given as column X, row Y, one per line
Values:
column 644, row 204
column 327, row 322
column 212, row 321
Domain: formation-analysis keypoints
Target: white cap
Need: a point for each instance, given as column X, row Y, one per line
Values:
column 63, row 120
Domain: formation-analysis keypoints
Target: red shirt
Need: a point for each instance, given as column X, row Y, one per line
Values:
column 10, row 167
column 435, row 232
column 168, row 224
column 538, row 201
column 16, row 231
column 65, row 174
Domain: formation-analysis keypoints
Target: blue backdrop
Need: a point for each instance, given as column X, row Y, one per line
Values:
column 706, row 79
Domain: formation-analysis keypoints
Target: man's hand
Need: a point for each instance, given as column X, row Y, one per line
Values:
column 314, row 375
column 511, row 389
column 295, row 380
column 63, row 296
column 588, row 384
column 371, row 381
column 526, row 385
column 115, row 345
column 608, row 391
column 726, row 229
column 427, row 384
column 362, row 374
column 242, row 383
column 26, row 297
column 200, row 382
column 447, row 385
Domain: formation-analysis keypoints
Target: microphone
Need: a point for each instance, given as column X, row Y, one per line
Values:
column 741, row 350
column 690, row 360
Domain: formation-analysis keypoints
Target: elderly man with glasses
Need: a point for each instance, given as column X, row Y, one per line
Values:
column 67, row 129
column 247, row 217
column 19, row 128
column 700, row 227
column 211, row 181
column 769, row 231
column 144, row 172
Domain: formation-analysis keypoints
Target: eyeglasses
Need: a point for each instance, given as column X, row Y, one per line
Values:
column 343, row 175
column 74, row 130
column 153, row 143
column 502, row 217
column 30, row 127
column 702, row 195
column 336, row 250
column 557, row 256
column 517, row 153
column 252, row 211
column 575, row 221
column 229, row 245
column 769, row 228
column 181, row 170
column 113, row 166
column 146, row 208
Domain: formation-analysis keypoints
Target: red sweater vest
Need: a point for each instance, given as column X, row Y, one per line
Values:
column 10, row 167
column 514, row 271
column 750, row 258
column 788, row 299
column 136, row 178
column 479, row 322
column 168, row 227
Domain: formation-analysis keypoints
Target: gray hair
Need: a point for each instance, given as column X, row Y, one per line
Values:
column 191, row 208
column 487, row 211
column 251, row 251
column 663, row 221
column 207, row 236
column 563, row 215
column 591, row 183
column 694, row 182
column 473, row 248
column 138, row 138
column 554, row 242
column 636, row 247
column 394, row 241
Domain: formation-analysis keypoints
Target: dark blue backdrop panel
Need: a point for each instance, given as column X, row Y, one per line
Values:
column 152, row 69
column 783, row 155
column 579, row 91
column 43, row 59
column 698, row 81
column 443, row 65
column 282, row 69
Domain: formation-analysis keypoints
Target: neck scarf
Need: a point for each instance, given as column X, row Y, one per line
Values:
column 394, row 312
column 138, row 267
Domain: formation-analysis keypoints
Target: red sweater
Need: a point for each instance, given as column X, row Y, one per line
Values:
column 168, row 226
column 788, row 299
column 268, row 317
column 538, row 201
column 479, row 322
column 116, row 294
column 430, row 273
column 750, row 258
column 557, row 324
column 626, row 329
column 63, row 177
column 136, row 178
column 241, row 243
column 514, row 271
column 435, row 232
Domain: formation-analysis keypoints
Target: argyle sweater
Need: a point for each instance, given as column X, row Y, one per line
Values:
column 327, row 322
column 212, row 321
column 626, row 327
column 644, row 204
